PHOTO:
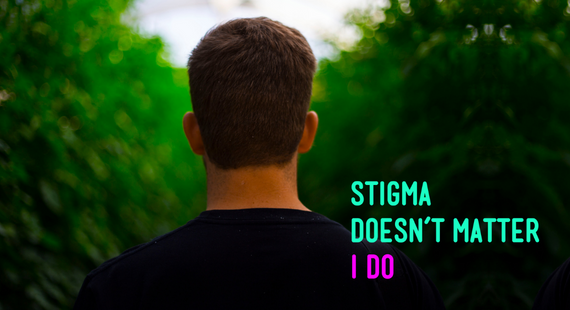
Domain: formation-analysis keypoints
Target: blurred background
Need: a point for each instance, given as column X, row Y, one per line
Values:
column 471, row 96
column 181, row 23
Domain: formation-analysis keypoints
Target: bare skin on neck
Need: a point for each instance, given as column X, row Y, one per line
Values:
column 251, row 187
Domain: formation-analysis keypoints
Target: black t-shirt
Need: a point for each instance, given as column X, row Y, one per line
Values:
column 555, row 292
column 256, row 259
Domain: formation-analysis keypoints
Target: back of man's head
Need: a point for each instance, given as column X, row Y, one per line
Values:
column 250, row 83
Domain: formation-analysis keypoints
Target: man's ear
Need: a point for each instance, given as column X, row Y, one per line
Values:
column 192, row 132
column 311, row 124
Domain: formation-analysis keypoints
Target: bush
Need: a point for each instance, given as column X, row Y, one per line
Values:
column 92, row 153
column 471, row 97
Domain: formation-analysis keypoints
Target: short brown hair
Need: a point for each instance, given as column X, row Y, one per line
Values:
column 250, row 84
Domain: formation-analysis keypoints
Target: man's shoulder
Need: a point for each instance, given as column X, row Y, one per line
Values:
column 198, row 232
column 132, row 256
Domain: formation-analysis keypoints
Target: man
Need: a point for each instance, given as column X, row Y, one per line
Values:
column 256, row 246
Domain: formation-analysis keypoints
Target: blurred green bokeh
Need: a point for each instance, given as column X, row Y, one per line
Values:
column 471, row 96
column 93, row 157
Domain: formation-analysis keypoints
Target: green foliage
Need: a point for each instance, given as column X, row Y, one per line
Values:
column 472, row 97
column 93, row 159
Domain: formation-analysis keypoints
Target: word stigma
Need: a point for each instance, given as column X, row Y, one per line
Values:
column 390, row 193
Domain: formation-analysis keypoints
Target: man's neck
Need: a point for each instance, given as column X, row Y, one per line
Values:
column 253, row 187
